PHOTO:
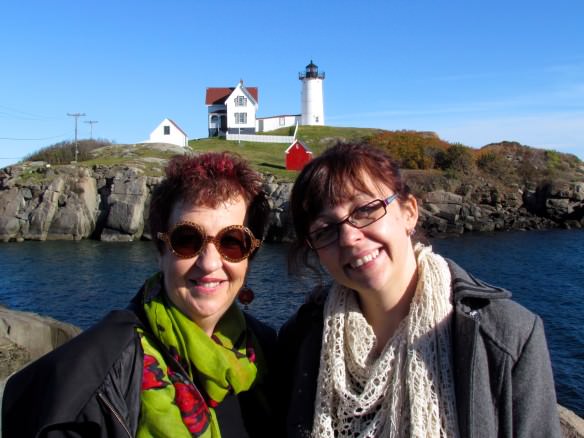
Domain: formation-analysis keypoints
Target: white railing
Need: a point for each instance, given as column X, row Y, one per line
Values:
column 261, row 138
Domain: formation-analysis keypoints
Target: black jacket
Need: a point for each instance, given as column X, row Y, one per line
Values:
column 502, row 372
column 90, row 387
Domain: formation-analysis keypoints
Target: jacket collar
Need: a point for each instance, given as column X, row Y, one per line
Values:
column 465, row 285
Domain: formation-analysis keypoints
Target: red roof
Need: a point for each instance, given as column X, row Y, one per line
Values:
column 299, row 143
column 216, row 96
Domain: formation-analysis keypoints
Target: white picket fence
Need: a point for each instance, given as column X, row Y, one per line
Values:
column 261, row 138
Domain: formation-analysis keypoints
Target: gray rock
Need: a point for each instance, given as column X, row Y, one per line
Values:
column 11, row 204
column 129, row 193
column 36, row 334
column 76, row 217
column 42, row 216
column 578, row 191
column 442, row 197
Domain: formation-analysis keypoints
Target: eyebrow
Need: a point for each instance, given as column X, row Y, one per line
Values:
column 357, row 198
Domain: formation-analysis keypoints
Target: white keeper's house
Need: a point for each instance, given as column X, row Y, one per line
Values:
column 233, row 110
column 169, row 132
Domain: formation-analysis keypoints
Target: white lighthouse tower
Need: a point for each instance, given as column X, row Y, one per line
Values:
column 312, row 100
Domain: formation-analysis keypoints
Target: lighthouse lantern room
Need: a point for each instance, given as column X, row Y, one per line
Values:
column 312, row 99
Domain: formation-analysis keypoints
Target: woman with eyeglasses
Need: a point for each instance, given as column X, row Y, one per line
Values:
column 404, row 342
column 184, row 360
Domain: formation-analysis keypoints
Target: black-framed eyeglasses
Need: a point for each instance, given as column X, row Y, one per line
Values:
column 360, row 217
column 187, row 239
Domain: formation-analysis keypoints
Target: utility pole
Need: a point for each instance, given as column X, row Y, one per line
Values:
column 76, row 115
column 91, row 123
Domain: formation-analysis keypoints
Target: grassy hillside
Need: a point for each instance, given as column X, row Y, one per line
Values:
column 270, row 157
column 424, row 153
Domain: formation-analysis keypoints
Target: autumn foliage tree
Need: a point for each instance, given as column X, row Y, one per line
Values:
column 411, row 149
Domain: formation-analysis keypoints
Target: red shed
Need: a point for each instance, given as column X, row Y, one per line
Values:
column 297, row 155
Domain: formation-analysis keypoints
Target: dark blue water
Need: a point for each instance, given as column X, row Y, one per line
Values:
column 79, row 282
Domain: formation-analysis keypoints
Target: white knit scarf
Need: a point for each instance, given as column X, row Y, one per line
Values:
column 407, row 390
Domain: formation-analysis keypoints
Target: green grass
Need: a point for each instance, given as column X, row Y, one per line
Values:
column 130, row 155
column 318, row 138
column 33, row 176
column 269, row 158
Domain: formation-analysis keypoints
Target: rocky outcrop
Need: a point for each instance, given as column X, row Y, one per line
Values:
column 40, row 203
column 127, row 197
column 111, row 204
column 487, row 208
column 280, row 229
column 572, row 424
column 562, row 202
column 11, row 204
column 26, row 336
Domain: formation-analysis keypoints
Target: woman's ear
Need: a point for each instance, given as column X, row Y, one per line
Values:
column 410, row 210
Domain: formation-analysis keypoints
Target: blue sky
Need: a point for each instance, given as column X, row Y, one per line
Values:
column 475, row 72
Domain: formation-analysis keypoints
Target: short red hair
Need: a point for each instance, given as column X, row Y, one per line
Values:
column 209, row 179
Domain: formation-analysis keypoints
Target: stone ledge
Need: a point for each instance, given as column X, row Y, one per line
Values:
column 26, row 336
column 572, row 424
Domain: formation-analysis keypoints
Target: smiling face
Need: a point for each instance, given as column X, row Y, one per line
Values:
column 377, row 259
column 205, row 286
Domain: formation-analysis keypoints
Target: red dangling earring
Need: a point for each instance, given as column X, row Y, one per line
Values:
column 245, row 296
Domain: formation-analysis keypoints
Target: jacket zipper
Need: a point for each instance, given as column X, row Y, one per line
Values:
column 114, row 412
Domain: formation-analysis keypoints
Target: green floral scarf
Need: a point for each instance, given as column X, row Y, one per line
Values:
column 179, row 396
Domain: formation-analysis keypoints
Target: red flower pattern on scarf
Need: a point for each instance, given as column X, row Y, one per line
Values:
column 153, row 374
column 194, row 411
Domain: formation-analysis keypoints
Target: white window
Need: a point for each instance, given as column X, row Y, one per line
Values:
column 240, row 118
column 282, row 121
column 241, row 101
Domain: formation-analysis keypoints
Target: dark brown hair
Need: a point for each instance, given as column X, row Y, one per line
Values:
column 208, row 180
column 330, row 179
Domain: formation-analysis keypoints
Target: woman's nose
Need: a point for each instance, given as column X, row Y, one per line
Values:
column 209, row 259
column 348, row 234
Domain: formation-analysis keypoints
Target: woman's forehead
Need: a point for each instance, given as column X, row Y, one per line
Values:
column 356, row 191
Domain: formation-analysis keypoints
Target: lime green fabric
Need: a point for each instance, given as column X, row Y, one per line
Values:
column 171, row 405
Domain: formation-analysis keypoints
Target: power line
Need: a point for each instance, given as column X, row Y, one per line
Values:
column 76, row 115
column 31, row 139
column 91, row 123
column 29, row 116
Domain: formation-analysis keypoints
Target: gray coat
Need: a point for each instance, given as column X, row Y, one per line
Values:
column 502, row 371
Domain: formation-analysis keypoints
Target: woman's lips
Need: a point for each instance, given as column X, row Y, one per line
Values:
column 364, row 259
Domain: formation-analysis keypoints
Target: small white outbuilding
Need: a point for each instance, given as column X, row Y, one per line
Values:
column 169, row 132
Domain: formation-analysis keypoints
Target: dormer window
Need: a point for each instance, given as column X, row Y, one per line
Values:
column 166, row 130
column 241, row 101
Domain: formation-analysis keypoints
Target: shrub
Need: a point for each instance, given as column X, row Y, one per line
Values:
column 64, row 152
column 411, row 149
column 456, row 159
column 496, row 165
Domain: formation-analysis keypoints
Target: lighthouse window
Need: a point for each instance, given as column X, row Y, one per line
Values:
column 241, row 101
column 167, row 130
column 240, row 118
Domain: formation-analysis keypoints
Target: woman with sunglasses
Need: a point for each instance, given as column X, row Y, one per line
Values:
column 184, row 360
column 404, row 342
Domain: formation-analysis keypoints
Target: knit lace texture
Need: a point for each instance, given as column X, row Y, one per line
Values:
column 407, row 390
